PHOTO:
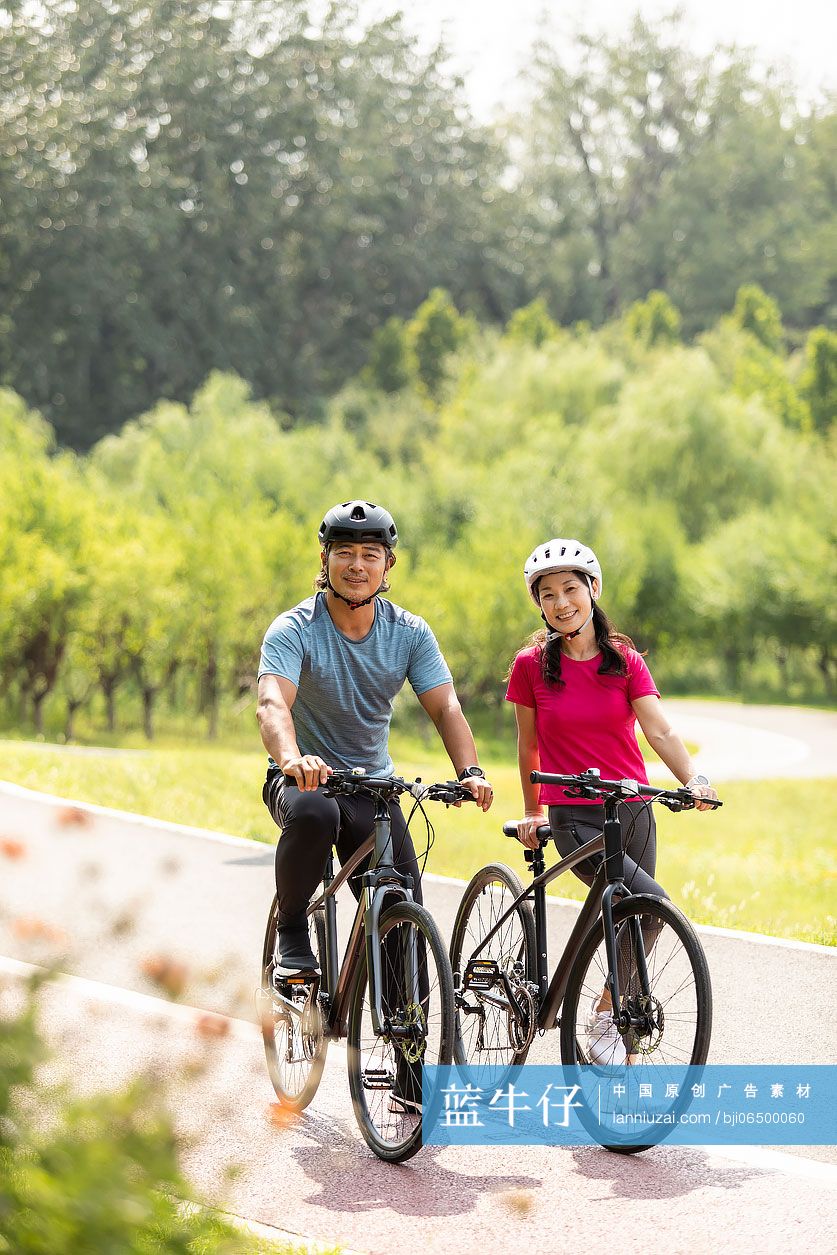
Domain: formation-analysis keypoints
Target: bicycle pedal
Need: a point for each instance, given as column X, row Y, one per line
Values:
column 296, row 982
column 378, row 1078
column 481, row 974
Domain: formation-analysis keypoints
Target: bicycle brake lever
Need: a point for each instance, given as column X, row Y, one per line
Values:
column 676, row 804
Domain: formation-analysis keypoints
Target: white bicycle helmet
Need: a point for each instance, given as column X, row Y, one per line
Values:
column 562, row 555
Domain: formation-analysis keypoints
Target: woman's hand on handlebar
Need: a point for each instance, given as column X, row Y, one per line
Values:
column 527, row 830
column 308, row 770
column 701, row 791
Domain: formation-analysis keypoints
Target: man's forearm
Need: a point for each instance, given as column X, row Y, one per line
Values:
column 278, row 733
column 457, row 737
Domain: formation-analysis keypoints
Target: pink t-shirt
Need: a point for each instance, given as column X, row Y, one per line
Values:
column 587, row 722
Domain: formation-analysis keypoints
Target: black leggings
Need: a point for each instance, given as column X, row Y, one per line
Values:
column 574, row 826
column 311, row 824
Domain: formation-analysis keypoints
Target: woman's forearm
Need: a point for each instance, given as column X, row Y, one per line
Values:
column 674, row 754
column 528, row 761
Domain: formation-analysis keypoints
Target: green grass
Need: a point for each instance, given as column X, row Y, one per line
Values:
column 766, row 862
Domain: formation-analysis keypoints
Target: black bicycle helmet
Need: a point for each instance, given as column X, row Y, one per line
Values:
column 358, row 521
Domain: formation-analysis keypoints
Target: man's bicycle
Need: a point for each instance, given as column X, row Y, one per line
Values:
column 632, row 957
column 392, row 996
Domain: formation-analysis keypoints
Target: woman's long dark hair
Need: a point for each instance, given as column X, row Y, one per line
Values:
column 611, row 643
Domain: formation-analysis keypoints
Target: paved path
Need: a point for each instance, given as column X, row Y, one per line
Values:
column 740, row 742
column 116, row 891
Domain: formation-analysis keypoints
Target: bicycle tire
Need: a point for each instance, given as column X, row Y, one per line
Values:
column 484, row 1035
column 295, row 1064
column 677, row 970
column 374, row 1060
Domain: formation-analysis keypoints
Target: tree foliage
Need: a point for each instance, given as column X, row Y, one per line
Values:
column 759, row 314
column 818, row 384
column 250, row 188
column 654, row 320
column 141, row 577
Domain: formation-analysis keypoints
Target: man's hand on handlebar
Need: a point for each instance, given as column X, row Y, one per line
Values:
column 308, row 770
column 480, row 790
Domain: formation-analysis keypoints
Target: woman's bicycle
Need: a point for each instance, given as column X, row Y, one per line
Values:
column 632, row 984
column 392, row 996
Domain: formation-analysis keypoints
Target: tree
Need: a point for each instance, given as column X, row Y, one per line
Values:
column 677, row 435
column 759, row 314
column 44, row 529
column 194, row 186
column 532, row 324
column 388, row 366
column 762, row 580
column 818, row 383
column 648, row 167
column 654, row 320
column 435, row 331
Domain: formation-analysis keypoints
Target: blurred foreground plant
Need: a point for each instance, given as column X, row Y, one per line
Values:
column 97, row 1175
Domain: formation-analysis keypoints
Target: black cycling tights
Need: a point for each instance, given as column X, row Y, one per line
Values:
column 574, row 826
column 311, row 824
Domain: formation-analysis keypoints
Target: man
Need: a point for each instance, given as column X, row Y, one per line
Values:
column 329, row 672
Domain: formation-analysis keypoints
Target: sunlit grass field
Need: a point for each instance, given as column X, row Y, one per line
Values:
column 766, row 862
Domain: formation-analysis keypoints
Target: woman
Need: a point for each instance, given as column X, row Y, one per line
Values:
column 578, row 689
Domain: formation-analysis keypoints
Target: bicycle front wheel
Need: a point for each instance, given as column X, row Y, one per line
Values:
column 496, row 1008
column 671, row 1013
column 292, row 1021
column 417, row 1004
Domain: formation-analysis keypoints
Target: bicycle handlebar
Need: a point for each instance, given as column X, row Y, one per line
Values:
column 346, row 783
column 589, row 784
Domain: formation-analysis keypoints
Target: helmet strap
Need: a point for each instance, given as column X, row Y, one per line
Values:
column 568, row 636
column 353, row 605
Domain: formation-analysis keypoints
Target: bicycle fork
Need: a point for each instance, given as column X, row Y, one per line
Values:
column 615, row 869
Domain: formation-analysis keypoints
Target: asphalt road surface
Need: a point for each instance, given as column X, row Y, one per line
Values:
column 115, row 900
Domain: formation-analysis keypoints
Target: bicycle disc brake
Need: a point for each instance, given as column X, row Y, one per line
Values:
column 412, row 1046
column 645, row 1038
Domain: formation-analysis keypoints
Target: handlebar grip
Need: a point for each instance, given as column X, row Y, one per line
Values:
column 544, row 831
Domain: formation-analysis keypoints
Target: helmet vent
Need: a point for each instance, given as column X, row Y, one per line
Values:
column 359, row 514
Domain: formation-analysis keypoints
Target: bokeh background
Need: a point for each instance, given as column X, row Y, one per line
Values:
column 258, row 257
column 514, row 270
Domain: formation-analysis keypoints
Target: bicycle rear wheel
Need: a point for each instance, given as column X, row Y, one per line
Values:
column 674, row 1014
column 292, row 1021
column 490, row 1030
column 417, row 998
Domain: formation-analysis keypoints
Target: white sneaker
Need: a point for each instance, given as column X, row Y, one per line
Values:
column 604, row 1042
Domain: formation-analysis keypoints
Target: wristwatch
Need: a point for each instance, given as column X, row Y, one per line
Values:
column 471, row 771
column 702, row 781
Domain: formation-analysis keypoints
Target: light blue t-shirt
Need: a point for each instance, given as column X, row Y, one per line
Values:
column 346, row 688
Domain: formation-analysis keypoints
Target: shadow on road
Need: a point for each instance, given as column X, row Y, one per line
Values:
column 351, row 1181
column 664, row 1172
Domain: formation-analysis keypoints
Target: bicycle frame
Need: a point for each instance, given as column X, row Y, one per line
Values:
column 607, row 882
column 381, row 883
